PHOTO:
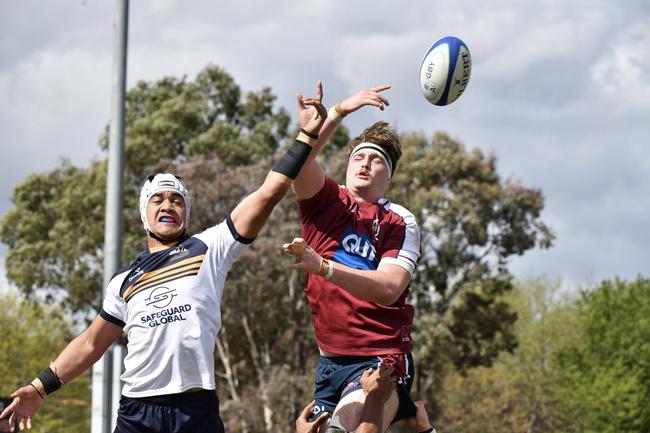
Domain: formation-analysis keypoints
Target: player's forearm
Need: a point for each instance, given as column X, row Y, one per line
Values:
column 371, row 415
column 252, row 213
column 78, row 356
column 325, row 133
column 373, row 286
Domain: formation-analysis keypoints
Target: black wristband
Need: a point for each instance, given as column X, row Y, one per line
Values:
column 292, row 161
column 431, row 430
column 50, row 380
column 309, row 134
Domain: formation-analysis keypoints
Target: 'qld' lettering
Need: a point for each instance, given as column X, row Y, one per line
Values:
column 354, row 244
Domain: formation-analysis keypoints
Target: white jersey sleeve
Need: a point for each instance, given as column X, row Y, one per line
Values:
column 114, row 308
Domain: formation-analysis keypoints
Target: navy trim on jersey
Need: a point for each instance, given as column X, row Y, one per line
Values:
column 114, row 320
column 151, row 269
column 233, row 231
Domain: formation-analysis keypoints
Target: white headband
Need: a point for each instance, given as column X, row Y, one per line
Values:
column 373, row 146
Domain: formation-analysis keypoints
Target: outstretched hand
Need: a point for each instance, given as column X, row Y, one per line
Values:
column 372, row 96
column 23, row 408
column 310, row 260
column 304, row 426
column 311, row 111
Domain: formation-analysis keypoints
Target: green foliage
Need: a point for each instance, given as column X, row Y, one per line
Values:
column 607, row 373
column 31, row 336
column 519, row 392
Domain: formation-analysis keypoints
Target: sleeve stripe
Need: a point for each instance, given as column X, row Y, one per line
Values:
column 408, row 266
column 114, row 320
column 233, row 231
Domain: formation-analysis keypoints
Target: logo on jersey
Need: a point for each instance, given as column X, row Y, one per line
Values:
column 179, row 251
column 136, row 274
column 160, row 297
column 406, row 334
column 375, row 228
column 357, row 251
column 167, row 315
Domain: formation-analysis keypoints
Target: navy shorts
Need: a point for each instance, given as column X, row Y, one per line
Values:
column 338, row 376
column 195, row 412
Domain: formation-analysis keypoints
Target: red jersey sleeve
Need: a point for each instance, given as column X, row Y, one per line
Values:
column 312, row 207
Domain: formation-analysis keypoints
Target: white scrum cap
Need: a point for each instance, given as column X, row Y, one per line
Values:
column 159, row 183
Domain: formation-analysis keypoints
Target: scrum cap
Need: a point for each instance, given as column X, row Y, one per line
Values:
column 159, row 183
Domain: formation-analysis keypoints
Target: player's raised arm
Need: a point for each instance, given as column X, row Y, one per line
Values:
column 311, row 178
column 251, row 214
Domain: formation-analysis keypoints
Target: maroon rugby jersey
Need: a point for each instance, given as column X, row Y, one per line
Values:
column 359, row 235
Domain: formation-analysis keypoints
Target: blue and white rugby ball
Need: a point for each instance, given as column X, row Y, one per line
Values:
column 445, row 71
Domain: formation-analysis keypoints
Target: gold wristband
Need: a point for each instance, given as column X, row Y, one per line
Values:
column 38, row 385
column 306, row 139
column 334, row 115
column 324, row 267
column 330, row 270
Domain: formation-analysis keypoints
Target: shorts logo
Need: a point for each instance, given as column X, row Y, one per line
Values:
column 160, row 297
column 317, row 409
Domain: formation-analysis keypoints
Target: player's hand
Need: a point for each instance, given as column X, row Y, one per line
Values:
column 304, row 426
column 372, row 96
column 420, row 422
column 379, row 381
column 311, row 111
column 310, row 260
column 23, row 408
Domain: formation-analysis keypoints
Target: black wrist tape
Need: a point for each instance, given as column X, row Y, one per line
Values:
column 292, row 161
column 428, row 431
column 309, row 134
column 50, row 380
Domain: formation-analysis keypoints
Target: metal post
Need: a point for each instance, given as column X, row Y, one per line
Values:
column 102, row 398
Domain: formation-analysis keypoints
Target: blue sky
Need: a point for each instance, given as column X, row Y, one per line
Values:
column 560, row 92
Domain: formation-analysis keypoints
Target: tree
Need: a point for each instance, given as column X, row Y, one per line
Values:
column 31, row 334
column 519, row 393
column 607, row 373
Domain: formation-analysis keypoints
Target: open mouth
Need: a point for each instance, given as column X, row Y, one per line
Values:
column 167, row 219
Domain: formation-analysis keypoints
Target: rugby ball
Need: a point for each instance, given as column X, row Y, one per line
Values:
column 445, row 71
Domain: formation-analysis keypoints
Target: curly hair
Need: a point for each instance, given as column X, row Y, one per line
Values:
column 383, row 136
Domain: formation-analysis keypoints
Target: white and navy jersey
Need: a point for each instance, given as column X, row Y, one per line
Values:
column 169, row 303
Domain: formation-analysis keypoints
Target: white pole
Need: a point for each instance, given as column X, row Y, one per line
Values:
column 103, row 414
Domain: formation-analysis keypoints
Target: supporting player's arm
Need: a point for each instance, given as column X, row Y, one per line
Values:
column 378, row 385
column 77, row 357
column 311, row 178
column 383, row 286
column 251, row 214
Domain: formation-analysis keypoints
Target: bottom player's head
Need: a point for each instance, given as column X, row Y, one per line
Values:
column 165, row 207
column 372, row 161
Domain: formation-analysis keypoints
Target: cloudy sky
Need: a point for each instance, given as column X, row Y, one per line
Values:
column 560, row 92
